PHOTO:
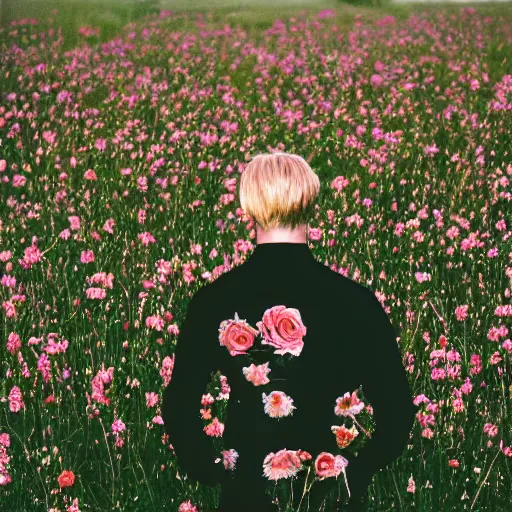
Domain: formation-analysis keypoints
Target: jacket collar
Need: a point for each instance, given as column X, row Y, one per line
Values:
column 281, row 252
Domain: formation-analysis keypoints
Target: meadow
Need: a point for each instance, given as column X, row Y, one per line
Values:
column 123, row 132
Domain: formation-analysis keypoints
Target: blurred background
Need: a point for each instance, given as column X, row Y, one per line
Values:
column 111, row 15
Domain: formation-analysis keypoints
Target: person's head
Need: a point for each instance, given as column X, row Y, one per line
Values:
column 278, row 190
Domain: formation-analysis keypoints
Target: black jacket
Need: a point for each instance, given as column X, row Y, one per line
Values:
column 349, row 342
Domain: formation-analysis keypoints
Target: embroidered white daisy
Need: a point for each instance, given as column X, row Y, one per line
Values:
column 278, row 404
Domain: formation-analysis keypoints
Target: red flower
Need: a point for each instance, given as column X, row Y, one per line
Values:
column 304, row 455
column 66, row 478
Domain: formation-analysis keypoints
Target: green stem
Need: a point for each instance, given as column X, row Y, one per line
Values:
column 357, row 423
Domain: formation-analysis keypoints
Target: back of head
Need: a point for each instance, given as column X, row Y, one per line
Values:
column 278, row 190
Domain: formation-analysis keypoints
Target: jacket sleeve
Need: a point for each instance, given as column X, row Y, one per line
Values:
column 386, row 387
column 196, row 357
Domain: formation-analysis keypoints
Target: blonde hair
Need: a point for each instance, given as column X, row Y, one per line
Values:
column 278, row 190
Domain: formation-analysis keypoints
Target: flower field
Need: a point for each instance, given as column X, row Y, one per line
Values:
column 119, row 165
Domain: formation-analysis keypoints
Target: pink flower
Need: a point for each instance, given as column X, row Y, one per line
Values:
column 187, row 506
column 31, row 256
column 348, row 405
column 327, row 465
column 215, row 428
column 257, row 374
column 118, row 426
column 506, row 450
column 427, row 433
column 430, row 150
column 490, row 429
column 278, row 404
column 15, row 399
column 102, row 278
column 314, row 234
column 458, row 405
column 461, row 312
column 207, row 399
column 18, row 180
column 108, row 226
column 495, row 358
column 90, row 175
column 376, row 80
column 229, row 459
column 155, row 322
column 13, row 343
column 386, row 20
column 283, row 464
column 74, row 221
column 507, row 345
column 95, row 293
column 283, row 329
column 100, row 144
column 206, row 414
column 422, row 276
column 5, row 478
column 146, row 238
column 236, row 335
column 65, row 234
column 10, row 282
column 411, row 485
column 151, row 399
column 326, row 13
column 87, row 256
column 339, row 183
column 304, row 455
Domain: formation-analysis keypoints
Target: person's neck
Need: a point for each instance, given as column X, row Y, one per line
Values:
column 280, row 235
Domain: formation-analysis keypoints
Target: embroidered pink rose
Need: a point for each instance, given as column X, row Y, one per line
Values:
column 327, row 464
column 257, row 374
column 236, row 335
column 282, row 328
column 283, row 464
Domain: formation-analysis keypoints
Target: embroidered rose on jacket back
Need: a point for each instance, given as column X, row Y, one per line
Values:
column 281, row 328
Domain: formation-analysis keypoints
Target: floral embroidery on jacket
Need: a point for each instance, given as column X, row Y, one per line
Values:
column 282, row 329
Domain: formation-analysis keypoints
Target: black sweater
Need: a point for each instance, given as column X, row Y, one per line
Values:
column 348, row 342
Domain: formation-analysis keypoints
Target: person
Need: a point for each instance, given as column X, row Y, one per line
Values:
column 282, row 322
